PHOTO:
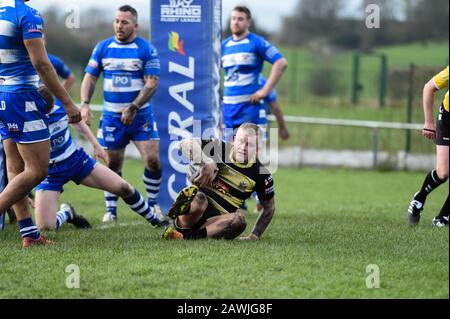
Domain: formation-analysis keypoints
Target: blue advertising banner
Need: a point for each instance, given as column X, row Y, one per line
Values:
column 187, row 34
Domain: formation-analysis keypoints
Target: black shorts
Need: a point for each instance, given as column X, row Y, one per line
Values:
column 210, row 211
column 442, row 128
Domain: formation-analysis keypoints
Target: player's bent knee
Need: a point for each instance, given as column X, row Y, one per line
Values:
column 201, row 199
column 443, row 176
column 239, row 219
column 237, row 225
column 442, row 173
column 199, row 204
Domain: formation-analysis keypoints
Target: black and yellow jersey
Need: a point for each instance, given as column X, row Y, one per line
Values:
column 235, row 182
column 441, row 83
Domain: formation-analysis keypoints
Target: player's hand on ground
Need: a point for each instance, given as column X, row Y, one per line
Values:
column 284, row 133
column 249, row 237
column 257, row 97
column 129, row 114
column 72, row 112
column 86, row 113
column 207, row 174
column 100, row 154
column 429, row 131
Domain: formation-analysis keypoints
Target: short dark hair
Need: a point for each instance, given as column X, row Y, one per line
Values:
column 245, row 10
column 128, row 8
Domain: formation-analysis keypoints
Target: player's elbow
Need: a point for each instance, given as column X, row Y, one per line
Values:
column 282, row 64
column 88, row 80
column 429, row 88
column 42, row 66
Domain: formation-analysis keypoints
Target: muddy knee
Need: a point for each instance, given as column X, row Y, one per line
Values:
column 200, row 202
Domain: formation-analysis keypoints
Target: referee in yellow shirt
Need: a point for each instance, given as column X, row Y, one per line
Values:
column 440, row 133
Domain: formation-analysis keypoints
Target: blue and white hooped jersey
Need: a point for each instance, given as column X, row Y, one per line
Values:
column 18, row 22
column 62, row 146
column 124, row 66
column 243, row 63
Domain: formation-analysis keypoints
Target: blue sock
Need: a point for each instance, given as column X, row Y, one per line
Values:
column 61, row 218
column 140, row 206
column 111, row 201
column 27, row 228
column 152, row 181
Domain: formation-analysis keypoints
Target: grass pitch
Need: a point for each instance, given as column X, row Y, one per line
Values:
column 329, row 226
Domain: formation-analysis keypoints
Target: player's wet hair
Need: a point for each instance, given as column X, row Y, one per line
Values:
column 128, row 8
column 245, row 10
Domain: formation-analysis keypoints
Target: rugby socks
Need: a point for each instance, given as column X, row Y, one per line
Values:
column 445, row 210
column 111, row 201
column 196, row 234
column 61, row 217
column 431, row 182
column 152, row 181
column 140, row 206
column 27, row 228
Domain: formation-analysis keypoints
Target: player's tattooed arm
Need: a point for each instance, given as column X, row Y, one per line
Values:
column 147, row 92
column 264, row 219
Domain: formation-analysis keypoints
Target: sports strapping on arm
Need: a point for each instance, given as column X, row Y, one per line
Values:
column 192, row 149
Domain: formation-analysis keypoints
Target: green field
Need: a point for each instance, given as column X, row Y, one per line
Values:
column 329, row 226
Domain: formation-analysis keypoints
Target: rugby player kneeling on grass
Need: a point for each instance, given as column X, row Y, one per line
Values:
column 69, row 163
column 227, row 175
